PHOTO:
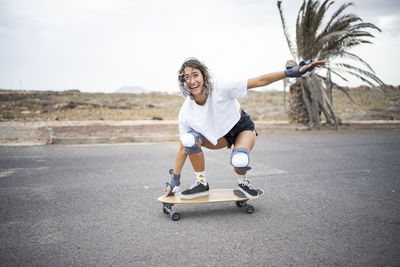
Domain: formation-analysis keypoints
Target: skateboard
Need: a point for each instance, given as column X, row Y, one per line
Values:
column 214, row 196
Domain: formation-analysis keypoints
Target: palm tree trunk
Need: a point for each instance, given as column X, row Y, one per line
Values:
column 305, row 103
column 315, row 99
column 297, row 111
column 330, row 85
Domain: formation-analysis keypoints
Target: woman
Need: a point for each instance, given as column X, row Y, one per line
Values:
column 212, row 117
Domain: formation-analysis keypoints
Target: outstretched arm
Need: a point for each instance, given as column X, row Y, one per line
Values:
column 265, row 79
column 269, row 78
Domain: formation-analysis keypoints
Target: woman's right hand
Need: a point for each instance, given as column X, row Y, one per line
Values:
column 168, row 191
column 173, row 185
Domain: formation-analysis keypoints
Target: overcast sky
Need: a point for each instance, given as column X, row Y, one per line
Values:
column 102, row 45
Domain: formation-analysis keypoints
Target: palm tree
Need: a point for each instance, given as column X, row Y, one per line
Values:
column 330, row 41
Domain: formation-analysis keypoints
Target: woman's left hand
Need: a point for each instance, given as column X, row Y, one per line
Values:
column 317, row 64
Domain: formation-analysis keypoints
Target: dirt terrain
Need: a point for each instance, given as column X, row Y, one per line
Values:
column 27, row 116
column 73, row 105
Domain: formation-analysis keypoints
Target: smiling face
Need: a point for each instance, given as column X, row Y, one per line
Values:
column 194, row 80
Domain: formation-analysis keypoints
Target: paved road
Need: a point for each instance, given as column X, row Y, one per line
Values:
column 331, row 199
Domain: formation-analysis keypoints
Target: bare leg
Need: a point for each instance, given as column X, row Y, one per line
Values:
column 180, row 159
column 198, row 161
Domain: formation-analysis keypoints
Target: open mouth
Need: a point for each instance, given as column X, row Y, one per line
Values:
column 194, row 87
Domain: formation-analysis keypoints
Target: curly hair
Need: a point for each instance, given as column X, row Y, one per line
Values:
column 195, row 63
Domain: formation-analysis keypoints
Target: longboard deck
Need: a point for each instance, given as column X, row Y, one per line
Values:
column 214, row 196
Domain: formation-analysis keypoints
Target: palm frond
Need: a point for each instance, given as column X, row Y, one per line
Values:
column 361, row 34
column 340, row 88
column 300, row 31
column 322, row 11
column 345, row 54
column 329, row 49
column 286, row 32
column 376, row 88
column 327, row 42
column 336, row 86
column 364, row 25
column 343, row 22
column 308, row 23
column 336, row 14
column 365, row 79
column 365, row 73
column 339, row 33
column 337, row 74
column 340, row 53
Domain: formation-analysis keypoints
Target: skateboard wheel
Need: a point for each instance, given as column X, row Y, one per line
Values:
column 249, row 209
column 240, row 204
column 175, row 216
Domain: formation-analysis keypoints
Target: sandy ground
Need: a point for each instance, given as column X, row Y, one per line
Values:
column 27, row 116
column 76, row 106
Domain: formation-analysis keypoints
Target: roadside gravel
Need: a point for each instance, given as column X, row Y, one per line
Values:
column 98, row 132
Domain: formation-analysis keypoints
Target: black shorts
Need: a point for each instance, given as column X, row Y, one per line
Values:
column 244, row 124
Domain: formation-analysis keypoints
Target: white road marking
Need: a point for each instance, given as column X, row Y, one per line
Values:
column 6, row 173
column 22, row 157
column 261, row 169
column 11, row 171
column 29, row 169
column 258, row 169
column 334, row 172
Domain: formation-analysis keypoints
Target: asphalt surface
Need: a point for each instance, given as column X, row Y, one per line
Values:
column 332, row 199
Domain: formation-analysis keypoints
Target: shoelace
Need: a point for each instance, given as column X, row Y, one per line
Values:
column 195, row 184
column 247, row 183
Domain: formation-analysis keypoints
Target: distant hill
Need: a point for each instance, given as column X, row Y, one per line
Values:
column 131, row 90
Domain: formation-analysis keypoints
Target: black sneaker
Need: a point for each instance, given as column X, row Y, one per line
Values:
column 247, row 189
column 195, row 191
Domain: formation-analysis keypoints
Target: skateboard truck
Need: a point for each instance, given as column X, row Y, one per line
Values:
column 246, row 207
column 243, row 204
column 167, row 208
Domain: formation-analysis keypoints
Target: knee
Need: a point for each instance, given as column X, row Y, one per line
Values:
column 190, row 142
column 240, row 159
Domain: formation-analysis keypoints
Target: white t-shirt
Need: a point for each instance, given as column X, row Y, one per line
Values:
column 218, row 115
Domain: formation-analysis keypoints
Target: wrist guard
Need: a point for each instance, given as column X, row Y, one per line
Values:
column 174, row 182
column 293, row 72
